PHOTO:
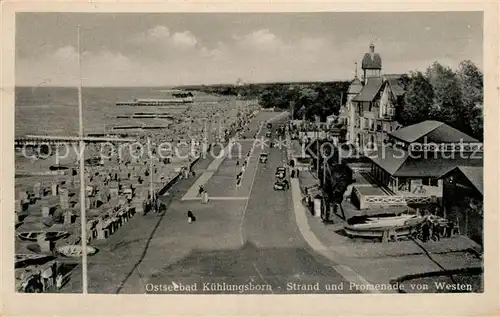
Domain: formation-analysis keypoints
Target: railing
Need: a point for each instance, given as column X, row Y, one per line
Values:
column 367, row 201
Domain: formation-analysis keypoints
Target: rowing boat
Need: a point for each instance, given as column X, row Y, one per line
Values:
column 375, row 226
column 74, row 251
column 49, row 235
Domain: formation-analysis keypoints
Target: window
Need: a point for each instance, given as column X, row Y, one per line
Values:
column 434, row 182
column 425, row 181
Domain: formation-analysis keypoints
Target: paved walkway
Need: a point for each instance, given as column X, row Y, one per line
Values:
column 302, row 222
column 192, row 193
column 379, row 263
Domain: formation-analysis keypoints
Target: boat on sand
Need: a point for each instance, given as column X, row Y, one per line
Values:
column 49, row 235
column 375, row 226
column 75, row 251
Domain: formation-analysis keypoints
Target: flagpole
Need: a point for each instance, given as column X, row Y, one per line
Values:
column 82, row 175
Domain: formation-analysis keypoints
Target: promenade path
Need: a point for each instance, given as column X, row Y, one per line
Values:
column 257, row 242
column 146, row 244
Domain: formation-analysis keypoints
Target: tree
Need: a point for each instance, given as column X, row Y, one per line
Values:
column 404, row 80
column 340, row 176
column 419, row 99
column 470, row 80
column 448, row 106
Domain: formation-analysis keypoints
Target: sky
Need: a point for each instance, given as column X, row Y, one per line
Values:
column 167, row 49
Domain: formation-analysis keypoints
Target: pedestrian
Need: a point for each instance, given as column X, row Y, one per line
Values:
column 238, row 183
column 205, row 197
column 243, row 169
column 297, row 174
column 425, row 231
column 449, row 229
column 200, row 190
column 237, row 163
column 436, row 231
column 190, row 216
column 59, row 281
column 45, row 277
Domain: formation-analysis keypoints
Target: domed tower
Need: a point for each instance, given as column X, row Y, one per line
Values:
column 372, row 64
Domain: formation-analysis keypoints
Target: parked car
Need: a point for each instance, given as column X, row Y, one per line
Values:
column 280, row 172
column 281, row 184
column 269, row 125
column 263, row 157
column 268, row 134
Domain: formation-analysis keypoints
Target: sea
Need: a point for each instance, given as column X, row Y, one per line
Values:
column 54, row 110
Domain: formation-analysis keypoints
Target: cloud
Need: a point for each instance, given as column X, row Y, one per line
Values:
column 60, row 67
column 260, row 40
column 184, row 40
column 314, row 44
column 160, row 56
column 158, row 32
column 159, row 41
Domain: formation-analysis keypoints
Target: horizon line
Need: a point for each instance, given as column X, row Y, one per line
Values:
column 186, row 85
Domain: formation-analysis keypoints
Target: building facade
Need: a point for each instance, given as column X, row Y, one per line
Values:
column 414, row 159
column 370, row 110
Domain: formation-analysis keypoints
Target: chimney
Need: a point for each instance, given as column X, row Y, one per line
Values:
column 355, row 69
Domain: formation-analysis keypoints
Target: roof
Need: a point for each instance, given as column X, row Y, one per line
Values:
column 396, row 88
column 388, row 159
column 414, row 132
column 355, row 86
column 433, row 132
column 392, row 76
column 399, row 163
column 370, row 90
column 434, row 166
column 370, row 190
column 473, row 173
column 371, row 61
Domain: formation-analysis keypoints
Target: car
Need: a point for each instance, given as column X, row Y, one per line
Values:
column 281, row 184
column 263, row 157
column 269, row 125
column 280, row 174
column 268, row 134
column 281, row 169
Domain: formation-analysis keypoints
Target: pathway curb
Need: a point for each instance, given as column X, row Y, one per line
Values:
column 300, row 215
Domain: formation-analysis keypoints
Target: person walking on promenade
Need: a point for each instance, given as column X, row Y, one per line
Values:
column 425, row 231
column 205, row 197
column 200, row 190
column 237, row 163
column 190, row 216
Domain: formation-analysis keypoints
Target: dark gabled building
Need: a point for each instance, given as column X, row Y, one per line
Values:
column 415, row 158
column 463, row 192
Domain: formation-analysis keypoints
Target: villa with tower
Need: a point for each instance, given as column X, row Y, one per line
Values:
column 416, row 165
column 372, row 102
